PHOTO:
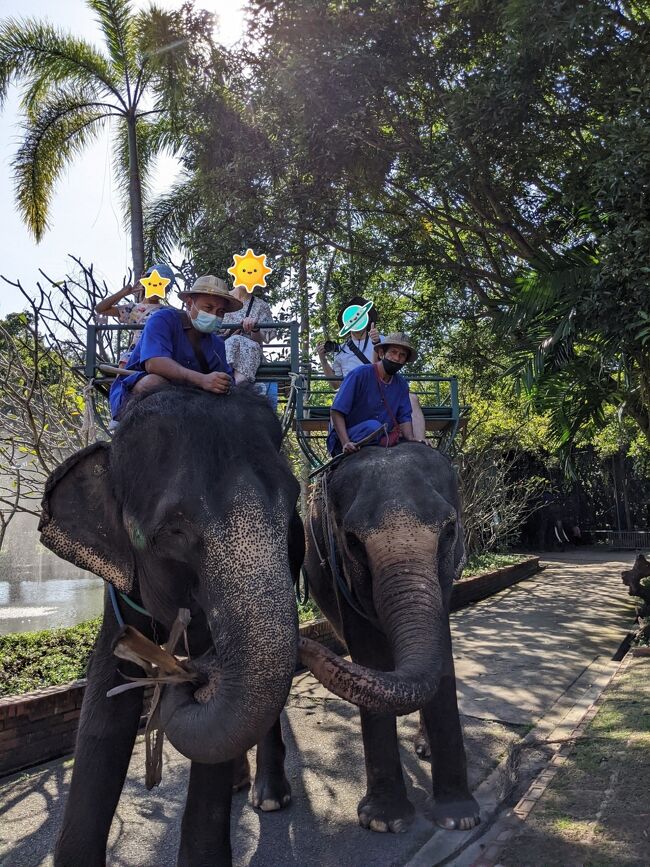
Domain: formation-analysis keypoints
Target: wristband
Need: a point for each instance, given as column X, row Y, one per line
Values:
column 376, row 342
column 255, row 328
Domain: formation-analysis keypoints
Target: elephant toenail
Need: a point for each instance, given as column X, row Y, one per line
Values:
column 447, row 823
column 269, row 804
column 379, row 825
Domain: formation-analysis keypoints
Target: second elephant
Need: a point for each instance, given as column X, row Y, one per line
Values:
column 393, row 518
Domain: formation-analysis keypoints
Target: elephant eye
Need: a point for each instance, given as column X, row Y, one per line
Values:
column 353, row 544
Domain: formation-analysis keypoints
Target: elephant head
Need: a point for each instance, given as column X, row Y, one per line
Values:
column 396, row 521
column 192, row 506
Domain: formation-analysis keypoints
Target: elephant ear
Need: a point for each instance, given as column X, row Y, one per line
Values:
column 460, row 555
column 80, row 519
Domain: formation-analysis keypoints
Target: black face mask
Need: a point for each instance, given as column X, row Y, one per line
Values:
column 391, row 367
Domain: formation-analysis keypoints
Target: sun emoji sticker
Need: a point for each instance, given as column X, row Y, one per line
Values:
column 249, row 270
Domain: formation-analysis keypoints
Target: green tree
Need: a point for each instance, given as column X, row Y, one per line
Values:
column 72, row 90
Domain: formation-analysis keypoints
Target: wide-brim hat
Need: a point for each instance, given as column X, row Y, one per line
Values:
column 399, row 338
column 360, row 302
column 211, row 285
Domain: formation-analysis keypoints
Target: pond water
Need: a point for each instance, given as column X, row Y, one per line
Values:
column 37, row 589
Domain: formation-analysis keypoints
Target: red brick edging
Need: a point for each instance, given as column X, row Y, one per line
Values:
column 481, row 586
column 42, row 725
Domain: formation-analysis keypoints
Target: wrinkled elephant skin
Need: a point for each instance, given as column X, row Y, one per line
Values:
column 190, row 506
column 395, row 518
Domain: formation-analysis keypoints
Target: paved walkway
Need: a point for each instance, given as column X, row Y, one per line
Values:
column 517, row 655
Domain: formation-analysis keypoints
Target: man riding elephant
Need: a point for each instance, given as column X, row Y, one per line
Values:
column 373, row 398
column 191, row 506
column 181, row 346
column 384, row 545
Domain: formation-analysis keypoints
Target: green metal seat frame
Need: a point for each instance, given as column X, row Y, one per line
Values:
column 307, row 397
column 438, row 395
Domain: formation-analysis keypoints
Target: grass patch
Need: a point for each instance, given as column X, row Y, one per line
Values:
column 308, row 611
column 33, row 660
column 479, row 563
column 595, row 809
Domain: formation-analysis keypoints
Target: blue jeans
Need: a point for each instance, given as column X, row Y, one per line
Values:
column 356, row 432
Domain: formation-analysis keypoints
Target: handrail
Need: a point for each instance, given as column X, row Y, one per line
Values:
column 93, row 329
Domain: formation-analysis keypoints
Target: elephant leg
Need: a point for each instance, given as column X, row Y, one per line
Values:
column 107, row 731
column 385, row 806
column 453, row 805
column 205, row 829
column 421, row 743
column 241, row 773
column 271, row 790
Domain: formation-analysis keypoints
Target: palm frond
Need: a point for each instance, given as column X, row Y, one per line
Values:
column 117, row 22
column 65, row 124
column 171, row 219
column 44, row 58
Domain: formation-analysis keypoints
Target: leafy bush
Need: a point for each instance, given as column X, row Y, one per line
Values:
column 478, row 563
column 33, row 660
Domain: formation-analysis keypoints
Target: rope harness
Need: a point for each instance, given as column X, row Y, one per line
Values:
column 331, row 559
column 161, row 666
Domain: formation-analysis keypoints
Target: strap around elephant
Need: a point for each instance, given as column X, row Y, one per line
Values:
column 339, row 581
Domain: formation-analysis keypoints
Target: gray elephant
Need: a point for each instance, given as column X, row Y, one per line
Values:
column 191, row 506
column 393, row 515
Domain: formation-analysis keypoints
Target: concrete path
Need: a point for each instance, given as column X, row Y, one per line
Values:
column 517, row 654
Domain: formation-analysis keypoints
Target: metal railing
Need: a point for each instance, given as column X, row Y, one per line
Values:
column 623, row 540
column 94, row 330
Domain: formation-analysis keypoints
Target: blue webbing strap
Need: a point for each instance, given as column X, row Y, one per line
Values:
column 116, row 607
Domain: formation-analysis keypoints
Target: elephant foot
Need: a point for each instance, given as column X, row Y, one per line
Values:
column 241, row 773
column 385, row 812
column 422, row 745
column 271, row 792
column 455, row 814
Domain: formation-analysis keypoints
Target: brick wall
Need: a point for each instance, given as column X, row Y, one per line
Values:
column 39, row 726
column 42, row 725
column 473, row 589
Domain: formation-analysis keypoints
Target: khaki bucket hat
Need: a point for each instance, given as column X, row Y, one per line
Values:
column 211, row 285
column 399, row 338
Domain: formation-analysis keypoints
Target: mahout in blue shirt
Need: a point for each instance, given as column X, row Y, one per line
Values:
column 165, row 336
column 359, row 399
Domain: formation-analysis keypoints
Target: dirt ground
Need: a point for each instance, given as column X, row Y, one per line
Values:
column 596, row 811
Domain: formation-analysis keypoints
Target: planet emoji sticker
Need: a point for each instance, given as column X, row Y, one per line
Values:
column 355, row 318
column 249, row 270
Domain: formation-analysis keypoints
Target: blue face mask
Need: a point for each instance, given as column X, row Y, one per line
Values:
column 206, row 322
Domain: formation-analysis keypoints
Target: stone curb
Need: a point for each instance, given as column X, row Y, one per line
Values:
column 513, row 821
column 482, row 846
column 42, row 725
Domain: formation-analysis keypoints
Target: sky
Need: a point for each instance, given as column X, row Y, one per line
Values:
column 86, row 213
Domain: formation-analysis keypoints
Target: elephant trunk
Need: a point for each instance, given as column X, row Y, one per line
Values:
column 252, row 615
column 408, row 602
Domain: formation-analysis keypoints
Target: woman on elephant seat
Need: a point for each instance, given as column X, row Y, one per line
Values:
column 372, row 396
column 181, row 346
column 361, row 349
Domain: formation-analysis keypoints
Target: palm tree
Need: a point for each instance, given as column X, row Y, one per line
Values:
column 72, row 90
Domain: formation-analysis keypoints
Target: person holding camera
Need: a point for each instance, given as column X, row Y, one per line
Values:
column 358, row 349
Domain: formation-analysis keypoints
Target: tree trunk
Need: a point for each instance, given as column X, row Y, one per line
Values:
column 135, row 202
column 303, row 295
